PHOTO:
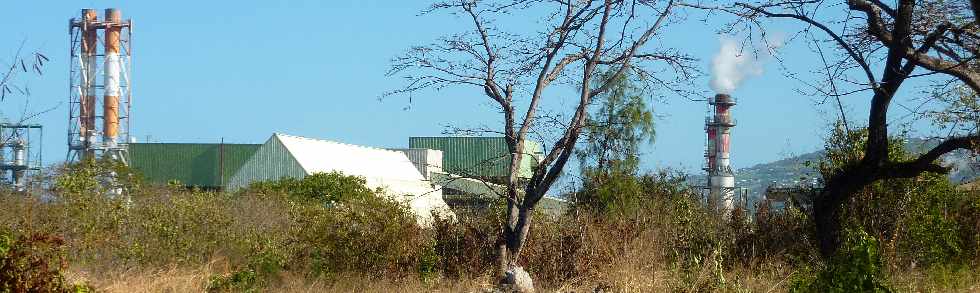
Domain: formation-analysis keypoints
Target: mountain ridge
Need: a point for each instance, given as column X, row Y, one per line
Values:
column 794, row 170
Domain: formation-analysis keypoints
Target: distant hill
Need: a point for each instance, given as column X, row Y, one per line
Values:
column 791, row 171
column 786, row 172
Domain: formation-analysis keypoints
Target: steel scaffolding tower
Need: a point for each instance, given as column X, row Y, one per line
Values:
column 86, row 139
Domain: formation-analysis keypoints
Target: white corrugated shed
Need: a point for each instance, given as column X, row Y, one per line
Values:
column 425, row 160
column 381, row 168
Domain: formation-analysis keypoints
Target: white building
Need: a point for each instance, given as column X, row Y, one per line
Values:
column 293, row 156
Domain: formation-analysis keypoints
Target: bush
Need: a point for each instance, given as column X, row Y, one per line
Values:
column 372, row 235
column 326, row 224
column 328, row 188
column 466, row 248
column 931, row 233
column 922, row 220
column 612, row 194
column 665, row 223
column 33, row 263
column 106, row 177
column 785, row 234
column 330, row 228
column 246, row 280
column 857, row 267
column 622, row 194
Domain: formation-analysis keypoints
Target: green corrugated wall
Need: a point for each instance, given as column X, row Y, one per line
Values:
column 192, row 164
column 272, row 161
column 485, row 157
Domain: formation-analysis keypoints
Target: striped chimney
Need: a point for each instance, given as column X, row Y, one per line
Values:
column 721, row 179
column 90, row 41
column 112, row 91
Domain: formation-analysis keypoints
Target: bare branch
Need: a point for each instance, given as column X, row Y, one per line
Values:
column 852, row 52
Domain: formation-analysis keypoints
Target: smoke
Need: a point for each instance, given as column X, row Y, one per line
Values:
column 733, row 63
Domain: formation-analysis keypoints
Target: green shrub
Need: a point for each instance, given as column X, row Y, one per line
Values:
column 857, row 267
column 372, row 235
column 238, row 281
column 930, row 234
column 331, row 226
column 615, row 193
column 34, row 263
column 784, row 234
column 104, row 177
column 339, row 225
column 328, row 188
column 261, row 269
column 922, row 220
column 466, row 248
column 612, row 194
column 325, row 224
column 427, row 262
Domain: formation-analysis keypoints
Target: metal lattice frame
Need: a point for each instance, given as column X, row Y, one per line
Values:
column 77, row 147
column 16, row 168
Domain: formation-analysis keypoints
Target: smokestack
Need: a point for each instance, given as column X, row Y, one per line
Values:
column 115, row 90
column 90, row 41
column 721, row 180
column 110, row 103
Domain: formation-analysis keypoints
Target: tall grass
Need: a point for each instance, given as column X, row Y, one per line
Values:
column 275, row 239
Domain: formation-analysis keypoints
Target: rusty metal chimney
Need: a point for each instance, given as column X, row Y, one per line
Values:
column 112, row 91
column 90, row 41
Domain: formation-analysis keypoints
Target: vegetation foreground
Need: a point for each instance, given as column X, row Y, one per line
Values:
column 328, row 232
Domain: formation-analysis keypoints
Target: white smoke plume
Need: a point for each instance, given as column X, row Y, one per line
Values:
column 733, row 64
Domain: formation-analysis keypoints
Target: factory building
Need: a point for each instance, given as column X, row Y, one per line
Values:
column 427, row 162
column 485, row 158
column 475, row 169
column 461, row 172
column 293, row 156
column 471, row 169
column 200, row 165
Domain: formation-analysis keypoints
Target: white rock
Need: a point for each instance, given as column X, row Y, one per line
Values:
column 520, row 280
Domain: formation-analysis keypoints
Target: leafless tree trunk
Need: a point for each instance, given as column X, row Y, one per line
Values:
column 514, row 70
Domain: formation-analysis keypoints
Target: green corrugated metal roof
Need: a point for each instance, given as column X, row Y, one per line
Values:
column 193, row 164
column 478, row 156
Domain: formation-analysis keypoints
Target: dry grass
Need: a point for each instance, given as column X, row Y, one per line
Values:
column 165, row 280
column 175, row 240
column 937, row 279
column 196, row 279
column 627, row 274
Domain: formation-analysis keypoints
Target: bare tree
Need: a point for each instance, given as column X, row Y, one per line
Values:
column 17, row 65
column 576, row 41
column 879, row 47
column 9, row 85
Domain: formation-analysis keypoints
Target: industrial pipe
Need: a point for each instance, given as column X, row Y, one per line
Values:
column 110, row 103
column 90, row 39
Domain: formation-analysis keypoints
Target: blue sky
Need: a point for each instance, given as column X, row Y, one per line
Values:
column 241, row 70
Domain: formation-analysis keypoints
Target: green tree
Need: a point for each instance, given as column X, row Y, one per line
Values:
column 885, row 44
column 615, row 132
column 609, row 155
column 919, row 216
